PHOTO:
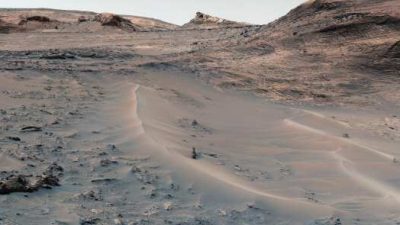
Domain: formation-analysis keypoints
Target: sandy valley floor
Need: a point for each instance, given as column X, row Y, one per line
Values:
column 125, row 146
column 292, row 123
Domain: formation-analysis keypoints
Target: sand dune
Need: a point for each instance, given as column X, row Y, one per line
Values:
column 165, row 135
column 379, row 187
column 292, row 123
column 277, row 163
column 218, row 174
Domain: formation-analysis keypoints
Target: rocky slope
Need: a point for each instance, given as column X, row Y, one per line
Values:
column 322, row 51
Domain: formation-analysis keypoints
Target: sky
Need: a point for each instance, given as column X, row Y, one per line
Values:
column 173, row 11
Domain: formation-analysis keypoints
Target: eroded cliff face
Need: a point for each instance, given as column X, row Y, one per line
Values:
column 360, row 33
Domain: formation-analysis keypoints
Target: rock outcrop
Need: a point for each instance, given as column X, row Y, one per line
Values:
column 112, row 20
column 40, row 19
column 38, row 22
column 205, row 21
column 29, row 183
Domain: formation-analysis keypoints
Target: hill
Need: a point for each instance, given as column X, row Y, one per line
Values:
column 78, row 21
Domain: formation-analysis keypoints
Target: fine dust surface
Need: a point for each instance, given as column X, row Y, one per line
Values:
column 164, row 146
column 296, row 162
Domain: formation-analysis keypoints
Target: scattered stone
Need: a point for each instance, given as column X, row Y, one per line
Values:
column 237, row 167
column 92, row 195
column 82, row 19
column 14, row 184
column 136, row 169
column 58, row 56
column 194, row 153
column 31, row 129
column 311, row 196
column 89, row 221
column 14, row 138
column 213, row 155
column 107, row 162
column 21, row 183
column 104, row 180
column 118, row 221
column 112, row 147
column 222, row 212
column 338, row 221
column 55, row 170
column 168, row 206
column 46, row 181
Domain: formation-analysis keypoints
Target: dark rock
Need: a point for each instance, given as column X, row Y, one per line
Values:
column 38, row 18
column 92, row 195
column 112, row 147
column 89, row 221
column 104, row 180
column 136, row 169
column 14, row 184
column 24, row 183
column 14, row 138
column 58, row 56
column 54, row 169
column 31, row 129
column 194, row 153
column 46, row 181
column 82, row 19
column 107, row 162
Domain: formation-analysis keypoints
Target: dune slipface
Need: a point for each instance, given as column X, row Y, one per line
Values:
column 113, row 119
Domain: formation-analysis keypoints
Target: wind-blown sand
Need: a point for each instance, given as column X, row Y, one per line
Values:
column 136, row 121
column 256, row 162
column 269, row 150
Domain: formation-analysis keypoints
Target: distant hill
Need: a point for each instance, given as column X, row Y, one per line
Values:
column 205, row 21
column 75, row 21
